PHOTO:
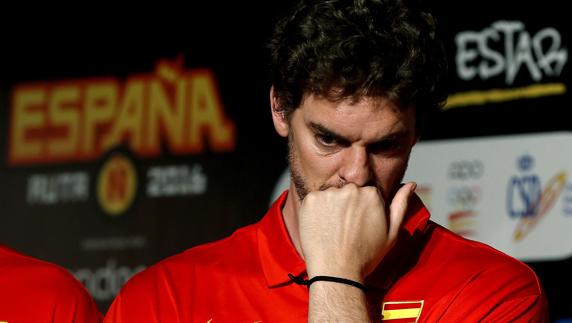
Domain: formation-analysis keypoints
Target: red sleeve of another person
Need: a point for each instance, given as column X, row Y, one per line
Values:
column 32, row 290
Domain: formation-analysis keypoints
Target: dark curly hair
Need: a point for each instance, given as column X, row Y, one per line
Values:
column 340, row 49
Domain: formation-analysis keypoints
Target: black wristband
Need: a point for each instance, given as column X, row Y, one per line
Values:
column 300, row 281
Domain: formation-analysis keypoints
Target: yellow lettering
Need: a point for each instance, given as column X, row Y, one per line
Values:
column 130, row 119
column 207, row 117
column 66, row 121
column 24, row 119
column 62, row 115
column 166, row 117
column 100, row 106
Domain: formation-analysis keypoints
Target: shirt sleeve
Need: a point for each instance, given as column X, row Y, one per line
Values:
column 73, row 303
column 525, row 309
column 77, row 307
column 131, row 305
column 500, row 294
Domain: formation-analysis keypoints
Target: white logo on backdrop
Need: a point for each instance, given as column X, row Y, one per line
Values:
column 506, row 47
column 521, row 202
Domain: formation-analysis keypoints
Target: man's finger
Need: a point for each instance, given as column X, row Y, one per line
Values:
column 398, row 208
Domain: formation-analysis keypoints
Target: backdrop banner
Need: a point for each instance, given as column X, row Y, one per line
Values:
column 143, row 137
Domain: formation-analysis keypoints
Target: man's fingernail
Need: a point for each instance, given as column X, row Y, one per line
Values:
column 413, row 187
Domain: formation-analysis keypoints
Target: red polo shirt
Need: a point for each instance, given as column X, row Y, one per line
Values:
column 35, row 291
column 431, row 274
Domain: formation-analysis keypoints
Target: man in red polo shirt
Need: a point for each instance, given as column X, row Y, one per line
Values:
column 35, row 291
column 351, row 83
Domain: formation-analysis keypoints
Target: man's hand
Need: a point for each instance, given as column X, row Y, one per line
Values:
column 345, row 232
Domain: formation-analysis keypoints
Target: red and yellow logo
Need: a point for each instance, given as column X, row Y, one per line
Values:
column 401, row 312
column 77, row 120
column 116, row 185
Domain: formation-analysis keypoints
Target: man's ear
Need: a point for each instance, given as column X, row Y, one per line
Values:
column 278, row 115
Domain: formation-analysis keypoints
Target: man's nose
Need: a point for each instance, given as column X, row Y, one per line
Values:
column 356, row 167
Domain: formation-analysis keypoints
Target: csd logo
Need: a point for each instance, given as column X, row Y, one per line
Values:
column 466, row 169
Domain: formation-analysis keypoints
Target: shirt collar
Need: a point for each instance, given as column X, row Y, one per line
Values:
column 417, row 216
column 278, row 255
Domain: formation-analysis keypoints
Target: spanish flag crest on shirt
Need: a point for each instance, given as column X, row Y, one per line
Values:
column 401, row 312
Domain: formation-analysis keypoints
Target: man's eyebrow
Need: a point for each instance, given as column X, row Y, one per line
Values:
column 322, row 130
column 394, row 136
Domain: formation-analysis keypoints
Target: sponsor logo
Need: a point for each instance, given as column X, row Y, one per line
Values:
column 398, row 312
column 116, row 243
column 527, row 200
column 464, row 201
column 49, row 189
column 105, row 282
column 462, row 222
column 176, row 180
column 522, row 205
column 507, row 49
column 466, row 169
column 464, row 197
column 524, row 190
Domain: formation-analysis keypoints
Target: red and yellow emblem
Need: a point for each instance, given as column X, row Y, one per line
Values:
column 401, row 312
column 116, row 184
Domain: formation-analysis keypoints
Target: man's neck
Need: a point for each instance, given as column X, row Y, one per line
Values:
column 290, row 215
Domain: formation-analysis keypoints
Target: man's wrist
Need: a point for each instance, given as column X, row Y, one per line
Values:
column 336, row 280
column 353, row 275
column 328, row 280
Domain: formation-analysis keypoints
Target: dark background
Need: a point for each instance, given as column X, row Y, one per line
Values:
column 47, row 45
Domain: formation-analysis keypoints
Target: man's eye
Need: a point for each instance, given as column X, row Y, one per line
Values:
column 326, row 140
column 385, row 146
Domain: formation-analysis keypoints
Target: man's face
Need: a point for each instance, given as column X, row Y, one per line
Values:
column 334, row 143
